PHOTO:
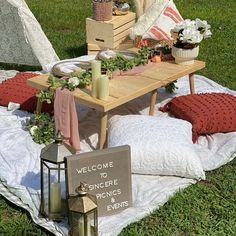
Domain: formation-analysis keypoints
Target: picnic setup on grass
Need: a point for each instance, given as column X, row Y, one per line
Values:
column 108, row 137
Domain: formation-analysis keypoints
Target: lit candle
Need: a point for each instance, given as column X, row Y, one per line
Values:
column 96, row 73
column 103, row 87
column 55, row 197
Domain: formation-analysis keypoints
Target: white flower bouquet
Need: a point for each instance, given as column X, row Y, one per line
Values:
column 189, row 33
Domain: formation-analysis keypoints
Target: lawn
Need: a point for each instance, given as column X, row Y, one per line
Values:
column 206, row 208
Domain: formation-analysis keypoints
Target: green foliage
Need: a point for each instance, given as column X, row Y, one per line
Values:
column 85, row 78
column 120, row 62
column 41, row 127
column 171, row 87
column 45, row 96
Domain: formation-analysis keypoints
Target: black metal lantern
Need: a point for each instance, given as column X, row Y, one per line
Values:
column 83, row 213
column 53, row 189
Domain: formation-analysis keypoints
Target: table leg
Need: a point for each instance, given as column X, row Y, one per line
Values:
column 191, row 83
column 152, row 102
column 39, row 106
column 103, row 129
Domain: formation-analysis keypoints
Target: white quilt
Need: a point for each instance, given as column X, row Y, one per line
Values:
column 19, row 158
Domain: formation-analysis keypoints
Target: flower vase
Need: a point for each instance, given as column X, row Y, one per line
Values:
column 184, row 56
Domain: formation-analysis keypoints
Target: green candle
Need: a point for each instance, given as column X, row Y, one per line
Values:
column 96, row 73
column 103, row 88
column 55, row 197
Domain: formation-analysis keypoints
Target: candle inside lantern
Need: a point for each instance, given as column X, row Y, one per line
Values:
column 96, row 73
column 103, row 91
column 55, row 197
column 79, row 229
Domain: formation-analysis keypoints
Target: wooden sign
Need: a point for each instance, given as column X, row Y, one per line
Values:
column 108, row 175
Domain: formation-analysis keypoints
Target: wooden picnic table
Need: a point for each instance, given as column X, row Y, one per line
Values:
column 126, row 88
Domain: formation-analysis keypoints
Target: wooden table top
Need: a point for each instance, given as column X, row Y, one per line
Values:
column 125, row 88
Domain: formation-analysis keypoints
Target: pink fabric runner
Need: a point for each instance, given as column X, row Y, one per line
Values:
column 135, row 71
column 66, row 119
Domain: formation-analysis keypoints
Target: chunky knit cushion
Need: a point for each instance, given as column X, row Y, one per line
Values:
column 209, row 113
column 16, row 90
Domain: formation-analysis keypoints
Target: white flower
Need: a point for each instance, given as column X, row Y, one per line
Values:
column 202, row 24
column 186, row 24
column 207, row 34
column 191, row 36
column 74, row 81
column 191, row 31
column 33, row 129
column 204, row 28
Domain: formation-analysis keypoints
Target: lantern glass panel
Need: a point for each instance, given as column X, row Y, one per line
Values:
column 83, row 224
column 45, row 195
column 54, row 190
column 91, row 223
column 77, row 224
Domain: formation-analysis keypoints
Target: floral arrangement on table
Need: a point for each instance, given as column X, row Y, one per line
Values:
column 187, row 36
column 189, row 33
column 77, row 79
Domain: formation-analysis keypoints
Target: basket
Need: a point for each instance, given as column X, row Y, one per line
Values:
column 102, row 11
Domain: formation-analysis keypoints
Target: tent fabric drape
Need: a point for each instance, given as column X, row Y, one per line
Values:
column 22, row 40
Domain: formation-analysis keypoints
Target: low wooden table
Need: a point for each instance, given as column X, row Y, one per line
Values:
column 126, row 88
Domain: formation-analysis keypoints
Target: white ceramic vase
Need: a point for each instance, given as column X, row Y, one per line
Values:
column 185, row 56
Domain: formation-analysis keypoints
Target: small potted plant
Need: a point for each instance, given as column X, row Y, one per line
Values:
column 102, row 10
column 187, row 35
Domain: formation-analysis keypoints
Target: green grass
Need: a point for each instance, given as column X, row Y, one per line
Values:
column 206, row 208
column 16, row 222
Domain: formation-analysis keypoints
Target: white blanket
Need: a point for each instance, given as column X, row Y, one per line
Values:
column 19, row 158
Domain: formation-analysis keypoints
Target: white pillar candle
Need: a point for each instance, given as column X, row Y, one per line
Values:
column 55, row 197
column 103, row 91
column 96, row 73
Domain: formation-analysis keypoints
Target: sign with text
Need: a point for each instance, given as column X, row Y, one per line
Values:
column 108, row 175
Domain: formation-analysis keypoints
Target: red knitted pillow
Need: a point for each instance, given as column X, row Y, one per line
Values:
column 16, row 90
column 209, row 113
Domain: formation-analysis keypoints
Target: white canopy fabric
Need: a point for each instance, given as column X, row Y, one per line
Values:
column 22, row 40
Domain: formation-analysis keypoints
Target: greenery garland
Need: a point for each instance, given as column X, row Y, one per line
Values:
column 41, row 127
column 119, row 62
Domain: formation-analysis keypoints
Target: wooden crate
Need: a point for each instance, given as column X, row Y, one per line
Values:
column 93, row 49
column 109, row 34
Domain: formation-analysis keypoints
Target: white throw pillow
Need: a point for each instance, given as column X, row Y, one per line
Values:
column 159, row 145
column 157, row 22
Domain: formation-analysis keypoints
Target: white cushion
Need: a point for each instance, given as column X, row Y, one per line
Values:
column 157, row 22
column 159, row 145
column 161, row 27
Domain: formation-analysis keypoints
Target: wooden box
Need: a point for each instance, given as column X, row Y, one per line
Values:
column 109, row 34
column 93, row 49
